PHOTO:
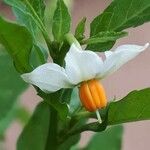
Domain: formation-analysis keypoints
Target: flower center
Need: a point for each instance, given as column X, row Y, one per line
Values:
column 92, row 95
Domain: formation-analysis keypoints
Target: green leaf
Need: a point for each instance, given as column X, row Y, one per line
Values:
column 25, row 16
column 34, row 135
column 39, row 7
column 11, row 86
column 62, row 51
column 62, row 108
column 22, row 114
column 66, row 95
column 53, row 100
column 101, row 47
column 39, row 56
column 61, row 21
column 94, row 42
column 134, row 107
column 69, row 142
column 80, row 29
column 18, row 42
column 106, row 140
column 75, row 147
column 120, row 15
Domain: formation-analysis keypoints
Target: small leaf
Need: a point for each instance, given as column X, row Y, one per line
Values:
column 18, row 42
column 80, row 29
column 61, row 21
column 34, row 135
column 94, row 42
column 106, row 140
column 134, row 107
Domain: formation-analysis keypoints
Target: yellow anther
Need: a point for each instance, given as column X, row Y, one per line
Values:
column 92, row 95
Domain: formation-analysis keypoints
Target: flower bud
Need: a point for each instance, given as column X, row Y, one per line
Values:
column 92, row 95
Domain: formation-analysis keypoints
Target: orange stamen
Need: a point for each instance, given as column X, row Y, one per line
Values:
column 92, row 95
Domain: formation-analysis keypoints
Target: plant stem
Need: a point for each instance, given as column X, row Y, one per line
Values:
column 98, row 116
column 52, row 136
column 71, row 39
column 95, row 126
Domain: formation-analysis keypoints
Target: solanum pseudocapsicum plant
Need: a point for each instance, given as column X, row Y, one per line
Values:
column 59, row 119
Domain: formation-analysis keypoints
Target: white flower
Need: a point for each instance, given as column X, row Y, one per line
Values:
column 80, row 66
column 84, row 68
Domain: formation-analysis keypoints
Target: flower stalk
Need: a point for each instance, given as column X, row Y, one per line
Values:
column 98, row 117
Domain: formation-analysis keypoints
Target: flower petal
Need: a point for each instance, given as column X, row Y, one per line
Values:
column 123, row 54
column 108, row 53
column 49, row 77
column 82, row 65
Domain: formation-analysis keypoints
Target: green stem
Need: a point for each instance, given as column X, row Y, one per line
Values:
column 71, row 39
column 95, row 126
column 83, row 114
column 52, row 136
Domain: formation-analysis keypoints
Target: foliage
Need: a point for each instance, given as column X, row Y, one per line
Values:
column 120, row 15
column 37, row 127
column 25, row 15
column 59, row 120
column 11, row 86
column 103, row 37
column 16, row 47
column 100, row 140
column 80, row 29
column 136, row 102
column 61, row 21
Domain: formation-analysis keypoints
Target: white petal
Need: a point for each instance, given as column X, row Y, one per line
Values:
column 119, row 57
column 82, row 65
column 108, row 53
column 49, row 77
